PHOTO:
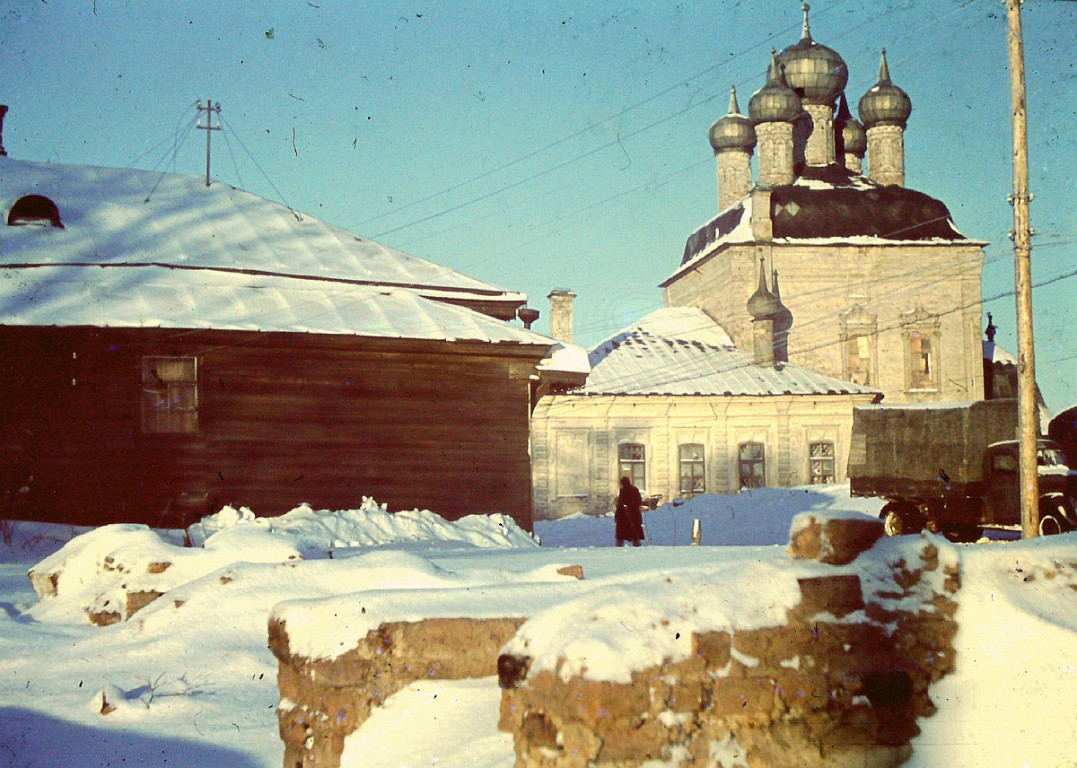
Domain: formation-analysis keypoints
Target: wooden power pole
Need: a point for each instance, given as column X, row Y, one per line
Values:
column 1027, row 415
column 209, row 127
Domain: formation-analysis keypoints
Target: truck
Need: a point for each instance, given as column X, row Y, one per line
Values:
column 953, row 468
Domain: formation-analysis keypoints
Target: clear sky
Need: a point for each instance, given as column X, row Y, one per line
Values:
column 542, row 145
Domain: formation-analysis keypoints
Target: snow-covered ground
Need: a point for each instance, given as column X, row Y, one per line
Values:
column 190, row 682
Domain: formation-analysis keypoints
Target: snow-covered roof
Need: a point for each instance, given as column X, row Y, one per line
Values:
column 565, row 358
column 829, row 205
column 682, row 351
column 128, row 216
column 997, row 354
column 160, row 297
column 147, row 250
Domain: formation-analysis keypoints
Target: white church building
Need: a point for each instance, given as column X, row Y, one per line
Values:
column 739, row 384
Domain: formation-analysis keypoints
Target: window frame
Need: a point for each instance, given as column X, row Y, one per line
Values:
column 919, row 327
column 169, row 405
column 751, row 463
column 814, row 461
column 698, row 470
column 859, row 326
column 633, row 468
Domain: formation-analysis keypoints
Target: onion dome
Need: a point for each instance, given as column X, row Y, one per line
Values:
column 817, row 73
column 854, row 138
column 734, row 131
column 783, row 317
column 762, row 305
column 885, row 103
column 775, row 102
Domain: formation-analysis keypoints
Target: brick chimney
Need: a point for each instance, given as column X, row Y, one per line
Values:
column 561, row 314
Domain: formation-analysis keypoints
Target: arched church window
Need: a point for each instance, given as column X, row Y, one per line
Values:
column 921, row 335
column 921, row 365
column 858, row 333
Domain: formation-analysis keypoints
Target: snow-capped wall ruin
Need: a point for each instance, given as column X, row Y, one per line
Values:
column 834, row 671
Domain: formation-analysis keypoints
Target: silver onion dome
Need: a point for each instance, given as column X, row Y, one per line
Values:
column 885, row 103
column 734, row 131
column 854, row 139
column 763, row 305
column 817, row 73
column 775, row 102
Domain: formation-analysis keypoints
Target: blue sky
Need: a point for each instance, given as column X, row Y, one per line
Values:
column 545, row 145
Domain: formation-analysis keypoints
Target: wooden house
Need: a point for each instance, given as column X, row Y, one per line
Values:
column 167, row 348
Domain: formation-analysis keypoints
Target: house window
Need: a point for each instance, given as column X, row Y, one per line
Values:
column 632, row 458
column 572, row 466
column 34, row 210
column 821, row 461
column 921, row 362
column 170, row 394
column 693, row 472
column 751, row 465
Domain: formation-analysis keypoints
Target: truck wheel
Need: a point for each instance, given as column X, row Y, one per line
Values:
column 899, row 519
column 1050, row 525
column 965, row 534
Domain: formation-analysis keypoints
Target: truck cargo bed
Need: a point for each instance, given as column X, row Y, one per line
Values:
column 921, row 451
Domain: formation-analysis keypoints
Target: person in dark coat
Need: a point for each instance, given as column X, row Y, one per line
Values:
column 629, row 515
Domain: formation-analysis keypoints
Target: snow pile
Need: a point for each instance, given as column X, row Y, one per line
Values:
column 97, row 571
column 1011, row 701
column 316, row 533
column 610, row 633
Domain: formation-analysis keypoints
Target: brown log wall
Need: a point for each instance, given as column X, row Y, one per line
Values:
column 283, row 419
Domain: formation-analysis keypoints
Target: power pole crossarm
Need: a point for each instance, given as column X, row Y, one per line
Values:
column 1027, row 415
column 210, row 108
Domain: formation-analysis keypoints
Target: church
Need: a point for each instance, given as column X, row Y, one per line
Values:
column 880, row 297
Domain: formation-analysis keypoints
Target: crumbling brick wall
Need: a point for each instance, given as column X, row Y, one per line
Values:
column 323, row 701
column 818, row 691
column 840, row 684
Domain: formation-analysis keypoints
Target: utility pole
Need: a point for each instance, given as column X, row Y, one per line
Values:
column 209, row 127
column 1027, row 417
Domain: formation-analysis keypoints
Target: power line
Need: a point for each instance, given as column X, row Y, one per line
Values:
column 617, row 141
column 591, row 126
column 646, row 376
column 261, row 170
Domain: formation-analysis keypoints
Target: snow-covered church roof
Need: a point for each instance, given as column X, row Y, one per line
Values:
column 682, row 351
column 830, row 205
column 141, row 249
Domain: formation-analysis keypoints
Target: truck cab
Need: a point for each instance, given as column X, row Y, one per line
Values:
column 1002, row 494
